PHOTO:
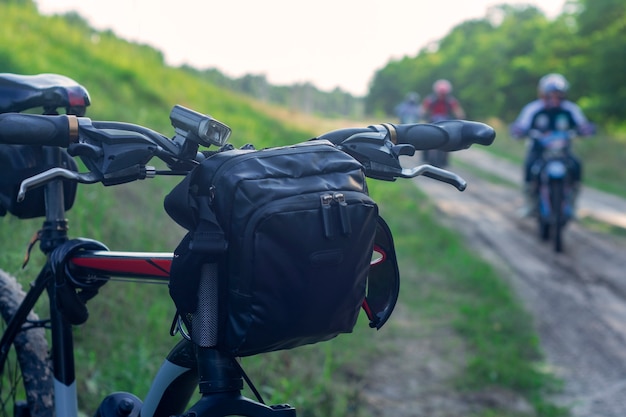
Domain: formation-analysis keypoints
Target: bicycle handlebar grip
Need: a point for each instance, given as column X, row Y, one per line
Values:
column 34, row 129
column 422, row 136
column 464, row 133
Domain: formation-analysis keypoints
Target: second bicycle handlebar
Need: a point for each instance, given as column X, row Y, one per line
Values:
column 449, row 135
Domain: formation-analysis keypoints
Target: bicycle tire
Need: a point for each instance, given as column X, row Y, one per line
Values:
column 26, row 383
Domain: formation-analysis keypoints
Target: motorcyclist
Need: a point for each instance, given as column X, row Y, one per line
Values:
column 438, row 106
column 550, row 112
column 441, row 104
column 409, row 110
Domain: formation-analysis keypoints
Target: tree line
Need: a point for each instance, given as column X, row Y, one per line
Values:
column 495, row 62
column 303, row 97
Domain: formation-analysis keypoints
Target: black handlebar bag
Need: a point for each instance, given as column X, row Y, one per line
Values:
column 292, row 230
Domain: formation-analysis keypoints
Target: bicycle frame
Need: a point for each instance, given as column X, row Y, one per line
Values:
column 143, row 266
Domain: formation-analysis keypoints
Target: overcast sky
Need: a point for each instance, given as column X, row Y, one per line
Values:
column 330, row 43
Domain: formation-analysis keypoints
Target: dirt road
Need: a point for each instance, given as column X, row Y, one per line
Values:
column 577, row 298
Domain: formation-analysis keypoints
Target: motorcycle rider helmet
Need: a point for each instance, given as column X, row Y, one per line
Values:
column 412, row 97
column 551, row 83
column 442, row 87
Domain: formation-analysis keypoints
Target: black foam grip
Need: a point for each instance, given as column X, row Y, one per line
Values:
column 464, row 133
column 422, row 136
column 33, row 129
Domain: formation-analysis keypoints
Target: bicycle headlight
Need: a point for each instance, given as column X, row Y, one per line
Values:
column 199, row 128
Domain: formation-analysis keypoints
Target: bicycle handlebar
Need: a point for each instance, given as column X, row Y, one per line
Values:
column 420, row 136
column 33, row 129
column 116, row 152
column 379, row 147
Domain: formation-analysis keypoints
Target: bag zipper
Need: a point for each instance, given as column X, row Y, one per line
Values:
column 235, row 159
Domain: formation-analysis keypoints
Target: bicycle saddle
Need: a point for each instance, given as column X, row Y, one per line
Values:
column 50, row 91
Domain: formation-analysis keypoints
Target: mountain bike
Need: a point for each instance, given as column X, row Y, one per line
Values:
column 36, row 381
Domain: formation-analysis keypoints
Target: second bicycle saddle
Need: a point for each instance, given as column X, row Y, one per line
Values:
column 50, row 91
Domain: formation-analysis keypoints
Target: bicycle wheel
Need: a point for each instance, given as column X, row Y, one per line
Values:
column 26, row 382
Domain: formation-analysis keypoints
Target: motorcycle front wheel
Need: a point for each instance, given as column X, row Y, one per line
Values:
column 544, row 229
column 556, row 197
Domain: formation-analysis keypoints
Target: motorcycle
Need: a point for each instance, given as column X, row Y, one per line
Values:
column 554, row 186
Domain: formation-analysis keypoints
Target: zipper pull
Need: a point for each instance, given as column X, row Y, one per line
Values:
column 211, row 194
column 346, row 227
column 326, row 200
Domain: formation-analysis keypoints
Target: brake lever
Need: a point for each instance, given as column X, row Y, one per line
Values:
column 136, row 172
column 381, row 160
column 52, row 174
column 438, row 174
column 379, row 156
